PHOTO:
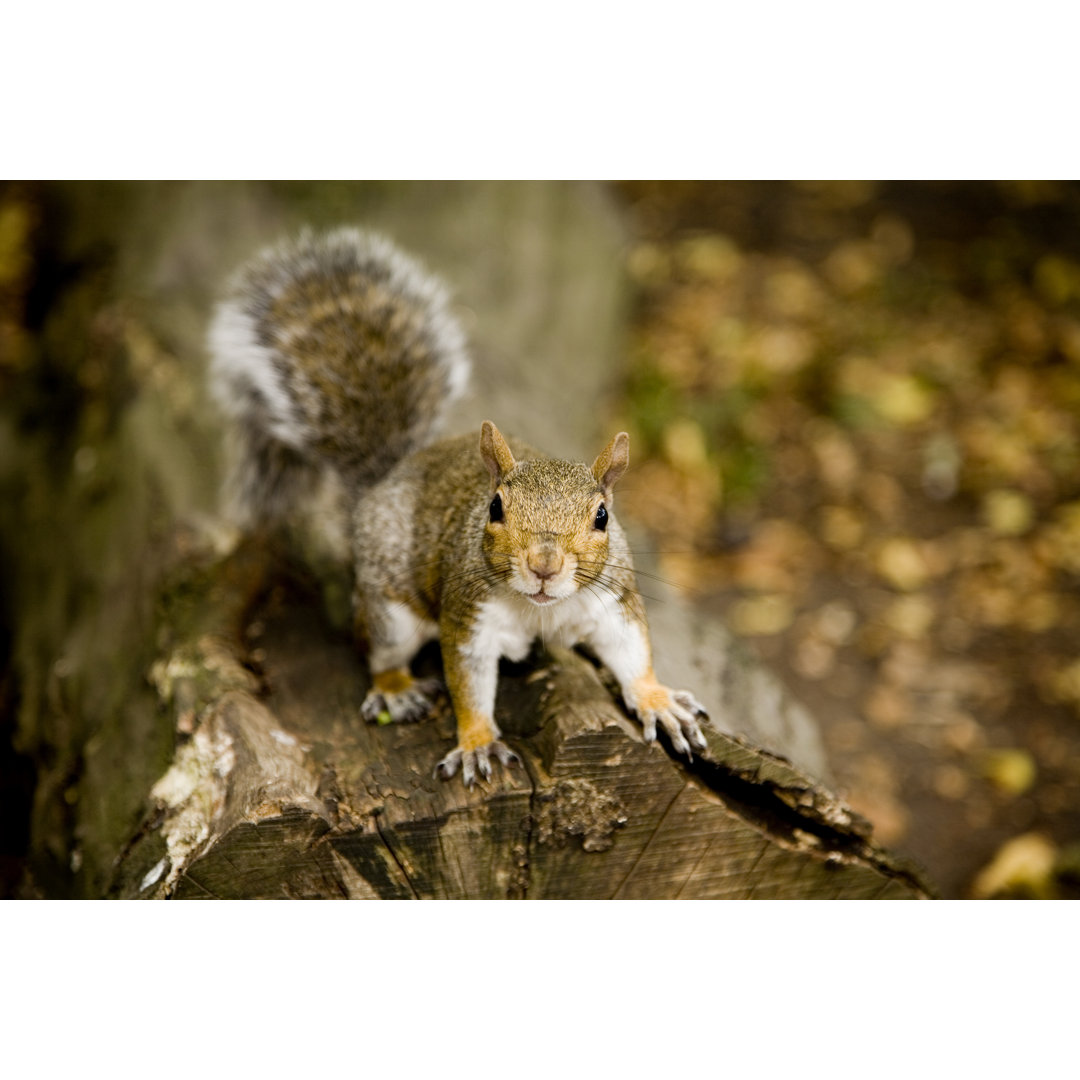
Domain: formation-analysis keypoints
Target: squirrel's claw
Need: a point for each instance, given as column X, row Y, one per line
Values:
column 679, row 719
column 689, row 710
column 475, row 761
column 449, row 764
column 415, row 702
column 504, row 753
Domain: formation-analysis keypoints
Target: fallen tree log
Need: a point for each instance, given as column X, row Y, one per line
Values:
column 277, row 789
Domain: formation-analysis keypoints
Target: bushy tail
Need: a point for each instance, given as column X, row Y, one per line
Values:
column 334, row 350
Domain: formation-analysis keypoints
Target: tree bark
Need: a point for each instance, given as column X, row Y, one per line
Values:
column 191, row 704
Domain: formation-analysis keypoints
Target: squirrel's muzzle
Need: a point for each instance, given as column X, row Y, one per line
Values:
column 545, row 560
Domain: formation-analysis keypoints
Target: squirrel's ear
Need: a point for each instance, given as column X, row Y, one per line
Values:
column 495, row 452
column 612, row 462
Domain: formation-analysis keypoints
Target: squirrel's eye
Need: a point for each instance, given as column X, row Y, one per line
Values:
column 495, row 509
column 601, row 518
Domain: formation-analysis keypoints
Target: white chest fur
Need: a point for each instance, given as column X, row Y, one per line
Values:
column 507, row 625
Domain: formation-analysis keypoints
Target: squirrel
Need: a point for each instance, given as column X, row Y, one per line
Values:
column 338, row 351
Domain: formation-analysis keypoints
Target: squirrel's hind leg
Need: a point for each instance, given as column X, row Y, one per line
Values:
column 395, row 635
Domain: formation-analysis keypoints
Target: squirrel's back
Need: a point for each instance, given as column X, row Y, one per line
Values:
column 334, row 349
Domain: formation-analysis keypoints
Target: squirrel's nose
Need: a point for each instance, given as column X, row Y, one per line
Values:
column 545, row 563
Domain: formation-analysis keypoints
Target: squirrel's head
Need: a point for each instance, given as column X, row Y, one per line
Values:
column 548, row 521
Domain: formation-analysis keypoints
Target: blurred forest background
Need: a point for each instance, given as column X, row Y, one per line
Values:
column 860, row 404
column 855, row 411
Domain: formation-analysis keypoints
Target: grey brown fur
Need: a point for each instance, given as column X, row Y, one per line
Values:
column 331, row 350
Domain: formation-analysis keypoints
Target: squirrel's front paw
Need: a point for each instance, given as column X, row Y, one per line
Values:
column 676, row 711
column 396, row 697
column 475, row 761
